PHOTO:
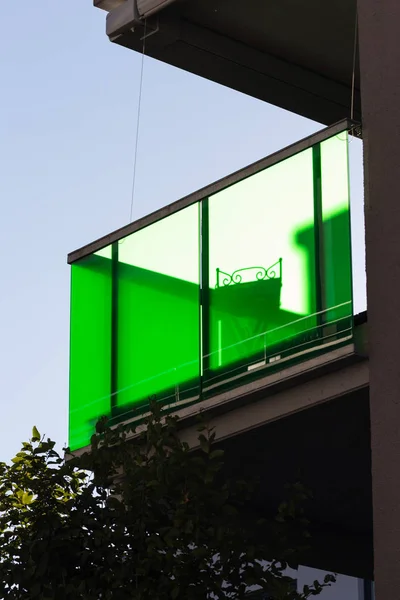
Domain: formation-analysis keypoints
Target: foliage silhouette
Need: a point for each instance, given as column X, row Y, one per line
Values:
column 139, row 517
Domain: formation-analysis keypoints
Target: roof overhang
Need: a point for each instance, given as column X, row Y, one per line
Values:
column 299, row 56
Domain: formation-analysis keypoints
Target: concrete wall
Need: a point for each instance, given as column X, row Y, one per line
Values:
column 379, row 31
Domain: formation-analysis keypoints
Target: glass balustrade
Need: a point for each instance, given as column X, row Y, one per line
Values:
column 250, row 276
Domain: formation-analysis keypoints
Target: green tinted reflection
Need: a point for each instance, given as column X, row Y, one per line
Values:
column 262, row 275
column 90, row 346
column 161, row 313
column 337, row 280
column 158, row 310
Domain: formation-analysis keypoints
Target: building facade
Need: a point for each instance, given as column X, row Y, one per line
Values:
column 299, row 374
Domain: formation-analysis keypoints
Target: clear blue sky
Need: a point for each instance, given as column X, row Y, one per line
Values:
column 68, row 121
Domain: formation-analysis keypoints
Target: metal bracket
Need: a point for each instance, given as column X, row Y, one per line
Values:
column 152, row 32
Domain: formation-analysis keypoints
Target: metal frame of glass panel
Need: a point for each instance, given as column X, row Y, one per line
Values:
column 245, row 274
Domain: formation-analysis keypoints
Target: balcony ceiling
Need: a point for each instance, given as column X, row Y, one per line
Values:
column 294, row 54
column 328, row 449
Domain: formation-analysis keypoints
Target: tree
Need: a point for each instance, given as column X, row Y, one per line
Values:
column 140, row 517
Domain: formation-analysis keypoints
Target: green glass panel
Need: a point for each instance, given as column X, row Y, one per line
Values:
column 90, row 346
column 336, row 277
column 262, row 266
column 158, row 311
column 273, row 275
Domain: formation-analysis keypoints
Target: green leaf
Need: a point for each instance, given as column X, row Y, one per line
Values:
column 36, row 587
column 17, row 459
column 27, row 498
column 35, row 434
column 175, row 592
column 217, row 454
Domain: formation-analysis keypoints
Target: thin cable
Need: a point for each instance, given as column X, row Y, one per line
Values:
column 138, row 122
column 353, row 77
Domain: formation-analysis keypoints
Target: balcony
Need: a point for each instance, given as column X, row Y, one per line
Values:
column 229, row 286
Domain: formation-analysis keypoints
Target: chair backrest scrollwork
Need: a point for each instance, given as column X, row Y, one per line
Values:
column 260, row 274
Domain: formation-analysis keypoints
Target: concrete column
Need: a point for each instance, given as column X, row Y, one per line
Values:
column 379, row 43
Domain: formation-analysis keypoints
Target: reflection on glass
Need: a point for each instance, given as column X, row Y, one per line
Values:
column 253, row 243
column 254, row 275
column 158, row 310
column 336, row 266
column 90, row 345
column 279, row 264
